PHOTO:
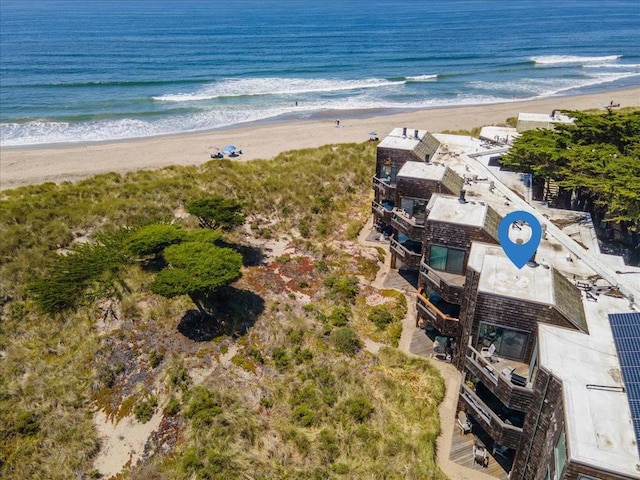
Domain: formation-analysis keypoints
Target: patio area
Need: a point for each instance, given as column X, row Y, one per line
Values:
column 462, row 453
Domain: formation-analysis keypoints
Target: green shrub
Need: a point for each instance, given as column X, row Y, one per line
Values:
column 179, row 378
column 329, row 445
column 380, row 316
column 27, row 423
column 155, row 358
column 144, row 409
column 203, row 406
column 342, row 288
column 280, row 358
column 339, row 317
column 340, row 468
column 190, row 462
column 173, row 407
column 357, row 409
column 346, row 340
column 302, row 355
column 395, row 332
column 304, row 416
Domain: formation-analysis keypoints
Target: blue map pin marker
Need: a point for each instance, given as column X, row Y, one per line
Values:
column 519, row 254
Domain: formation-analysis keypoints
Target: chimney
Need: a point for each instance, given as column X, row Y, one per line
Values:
column 404, row 132
column 461, row 197
column 415, row 134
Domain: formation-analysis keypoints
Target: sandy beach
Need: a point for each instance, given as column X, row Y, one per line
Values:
column 34, row 165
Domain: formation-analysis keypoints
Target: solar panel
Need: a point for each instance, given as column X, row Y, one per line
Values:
column 625, row 328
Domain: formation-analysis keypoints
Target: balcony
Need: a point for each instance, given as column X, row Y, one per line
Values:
column 500, row 431
column 410, row 226
column 384, row 186
column 409, row 258
column 496, row 375
column 381, row 212
column 444, row 323
column 449, row 285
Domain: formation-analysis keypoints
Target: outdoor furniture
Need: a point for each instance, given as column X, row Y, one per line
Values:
column 518, row 380
column 508, row 371
column 480, row 455
column 463, row 422
column 487, row 352
column 500, row 450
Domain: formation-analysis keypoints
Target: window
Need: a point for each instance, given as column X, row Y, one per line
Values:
column 446, row 259
column 388, row 173
column 560, row 455
column 416, row 207
column 508, row 342
column 587, row 477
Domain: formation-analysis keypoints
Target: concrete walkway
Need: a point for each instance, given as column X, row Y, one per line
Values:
column 414, row 342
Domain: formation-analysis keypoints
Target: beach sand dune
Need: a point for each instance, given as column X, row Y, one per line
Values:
column 34, row 165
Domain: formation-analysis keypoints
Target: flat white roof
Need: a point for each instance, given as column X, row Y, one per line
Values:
column 398, row 141
column 598, row 421
column 544, row 117
column 422, row 171
column 499, row 276
column 449, row 209
column 501, row 135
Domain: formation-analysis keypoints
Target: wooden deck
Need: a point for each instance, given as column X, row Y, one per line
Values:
column 462, row 454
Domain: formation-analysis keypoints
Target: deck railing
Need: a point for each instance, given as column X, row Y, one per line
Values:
column 445, row 324
column 411, row 226
column 513, row 396
column 381, row 212
column 409, row 258
column 501, row 432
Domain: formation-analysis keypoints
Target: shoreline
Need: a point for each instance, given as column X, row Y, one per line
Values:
column 265, row 139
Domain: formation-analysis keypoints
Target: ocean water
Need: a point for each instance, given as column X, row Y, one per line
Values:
column 90, row 70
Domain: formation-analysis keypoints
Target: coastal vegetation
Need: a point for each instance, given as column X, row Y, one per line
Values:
column 270, row 376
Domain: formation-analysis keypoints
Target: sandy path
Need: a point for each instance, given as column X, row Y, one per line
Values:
column 23, row 166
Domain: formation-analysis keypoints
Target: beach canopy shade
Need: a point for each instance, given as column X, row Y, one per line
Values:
column 373, row 134
column 229, row 149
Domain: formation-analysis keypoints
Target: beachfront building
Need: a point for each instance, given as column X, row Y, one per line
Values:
column 548, row 354
column 404, row 181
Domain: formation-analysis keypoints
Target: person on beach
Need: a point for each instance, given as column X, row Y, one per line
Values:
column 338, row 122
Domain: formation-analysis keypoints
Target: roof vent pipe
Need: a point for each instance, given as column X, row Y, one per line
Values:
column 415, row 133
column 461, row 197
column 532, row 261
column 404, row 131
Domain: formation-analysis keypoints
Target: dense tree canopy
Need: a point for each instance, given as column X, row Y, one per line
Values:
column 86, row 267
column 216, row 212
column 151, row 240
column 596, row 158
column 197, row 269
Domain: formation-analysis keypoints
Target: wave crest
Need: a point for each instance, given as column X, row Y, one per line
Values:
column 569, row 59
column 274, row 86
column 422, row 78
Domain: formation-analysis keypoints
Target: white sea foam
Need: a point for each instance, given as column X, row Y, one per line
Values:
column 45, row 132
column 422, row 78
column 274, row 86
column 613, row 65
column 571, row 59
column 48, row 132
column 544, row 87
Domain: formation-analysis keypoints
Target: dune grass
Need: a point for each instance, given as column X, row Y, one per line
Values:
column 295, row 408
